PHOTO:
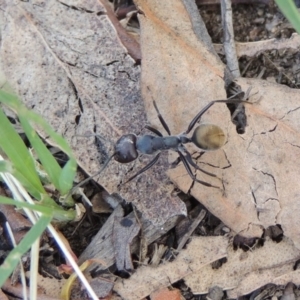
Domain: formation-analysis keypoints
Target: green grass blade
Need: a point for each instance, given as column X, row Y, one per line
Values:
column 47, row 207
column 67, row 176
column 15, row 255
column 48, row 161
column 7, row 167
column 62, row 179
column 36, row 207
column 290, row 11
column 59, row 214
column 13, row 146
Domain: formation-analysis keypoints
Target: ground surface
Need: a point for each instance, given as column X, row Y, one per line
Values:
column 252, row 23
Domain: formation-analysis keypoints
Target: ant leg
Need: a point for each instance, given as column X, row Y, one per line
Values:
column 239, row 107
column 90, row 177
column 189, row 159
column 238, row 115
column 235, row 91
column 205, row 109
column 247, row 94
column 161, row 119
column 154, row 130
column 148, row 166
column 186, row 165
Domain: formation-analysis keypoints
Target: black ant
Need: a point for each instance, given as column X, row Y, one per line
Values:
column 205, row 137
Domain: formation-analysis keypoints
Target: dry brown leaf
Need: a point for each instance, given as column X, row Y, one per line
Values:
column 179, row 71
column 260, row 168
column 102, row 287
column 101, row 246
column 253, row 167
column 200, row 252
column 166, row 294
column 182, row 80
column 65, row 60
column 48, row 288
column 124, row 231
column 18, row 223
column 262, row 277
column 246, row 271
column 51, row 286
column 293, row 276
column 259, row 180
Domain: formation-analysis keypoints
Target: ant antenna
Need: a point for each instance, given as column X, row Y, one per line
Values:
column 90, row 177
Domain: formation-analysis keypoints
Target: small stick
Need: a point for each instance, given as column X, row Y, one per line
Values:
column 229, row 44
column 192, row 228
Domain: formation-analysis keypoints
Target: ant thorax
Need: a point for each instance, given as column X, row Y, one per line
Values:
column 149, row 144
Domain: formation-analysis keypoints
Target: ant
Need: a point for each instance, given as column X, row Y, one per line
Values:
column 205, row 137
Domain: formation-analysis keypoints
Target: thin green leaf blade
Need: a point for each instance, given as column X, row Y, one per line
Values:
column 6, row 167
column 62, row 179
column 14, row 256
column 48, row 161
column 290, row 11
column 67, row 176
column 13, row 146
column 36, row 207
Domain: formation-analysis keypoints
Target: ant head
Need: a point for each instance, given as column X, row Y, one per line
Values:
column 208, row 137
column 125, row 149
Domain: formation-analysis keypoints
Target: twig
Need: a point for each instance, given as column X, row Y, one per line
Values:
column 229, row 45
column 143, row 241
column 213, row 2
column 196, row 222
column 254, row 48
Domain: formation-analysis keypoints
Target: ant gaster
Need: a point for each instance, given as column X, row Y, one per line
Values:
column 205, row 137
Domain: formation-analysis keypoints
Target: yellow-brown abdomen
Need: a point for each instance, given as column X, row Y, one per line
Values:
column 208, row 137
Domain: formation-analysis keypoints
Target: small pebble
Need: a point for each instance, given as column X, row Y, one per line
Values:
column 259, row 20
column 260, row 12
column 215, row 293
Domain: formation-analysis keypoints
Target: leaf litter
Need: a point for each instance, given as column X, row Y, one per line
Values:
column 88, row 85
column 244, row 272
column 258, row 170
column 200, row 252
column 260, row 184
